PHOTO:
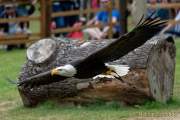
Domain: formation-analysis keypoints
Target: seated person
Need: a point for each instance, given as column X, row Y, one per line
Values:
column 6, row 29
column 151, row 11
column 103, row 23
column 173, row 28
column 3, row 26
column 162, row 13
column 22, row 10
column 65, row 21
column 77, row 33
column 10, row 12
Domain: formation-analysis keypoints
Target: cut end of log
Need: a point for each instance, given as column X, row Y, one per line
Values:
column 160, row 68
column 41, row 51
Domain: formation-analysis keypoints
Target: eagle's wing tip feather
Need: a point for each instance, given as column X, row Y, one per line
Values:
column 154, row 22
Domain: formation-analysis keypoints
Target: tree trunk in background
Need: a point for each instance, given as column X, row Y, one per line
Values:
column 151, row 74
column 123, row 11
column 45, row 18
column 138, row 8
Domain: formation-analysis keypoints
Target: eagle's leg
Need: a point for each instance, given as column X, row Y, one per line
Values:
column 110, row 75
column 114, row 74
column 118, row 77
column 108, row 72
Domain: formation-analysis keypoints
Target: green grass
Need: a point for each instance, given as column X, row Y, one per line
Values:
column 11, row 107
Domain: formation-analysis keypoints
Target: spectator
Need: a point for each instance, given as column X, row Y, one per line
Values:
column 101, row 20
column 94, row 4
column 10, row 12
column 65, row 5
column 151, row 10
column 3, row 26
column 10, row 28
column 162, row 13
column 77, row 34
column 13, row 11
column 57, row 22
column 173, row 28
column 25, row 10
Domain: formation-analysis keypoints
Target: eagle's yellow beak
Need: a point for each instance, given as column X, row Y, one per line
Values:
column 54, row 72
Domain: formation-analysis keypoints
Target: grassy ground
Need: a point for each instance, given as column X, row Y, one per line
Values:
column 11, row 107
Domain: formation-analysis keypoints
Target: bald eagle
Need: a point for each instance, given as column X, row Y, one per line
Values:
column 96, row 63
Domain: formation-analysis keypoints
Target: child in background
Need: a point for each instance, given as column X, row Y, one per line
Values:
column 102, row 21
column 77, row 34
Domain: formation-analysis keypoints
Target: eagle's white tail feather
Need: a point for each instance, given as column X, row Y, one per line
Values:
column 121, row 70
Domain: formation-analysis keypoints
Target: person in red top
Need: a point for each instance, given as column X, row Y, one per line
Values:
column 95, row 4
column 77, row 34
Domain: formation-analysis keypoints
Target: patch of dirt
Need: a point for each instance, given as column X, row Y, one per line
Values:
column 5, row 106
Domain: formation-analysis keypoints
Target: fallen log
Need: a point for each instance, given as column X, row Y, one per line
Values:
column 151, row 73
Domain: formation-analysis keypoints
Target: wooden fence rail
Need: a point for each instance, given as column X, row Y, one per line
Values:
column 45, row 19
column 164, row 5
column 19, row 37
column 74, row 12
column 20, row 19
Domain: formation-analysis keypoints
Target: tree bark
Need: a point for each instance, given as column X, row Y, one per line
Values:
column 150, row 65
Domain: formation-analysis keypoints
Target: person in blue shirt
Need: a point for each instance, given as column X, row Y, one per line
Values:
column 172, row 28
column 22, row 10
column 162, row 13
column 103, row 21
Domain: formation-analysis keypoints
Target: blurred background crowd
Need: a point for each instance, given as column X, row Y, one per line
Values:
column 101, row 21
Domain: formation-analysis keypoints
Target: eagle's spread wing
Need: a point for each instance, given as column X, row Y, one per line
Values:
column 94, row 63
column 128, row 42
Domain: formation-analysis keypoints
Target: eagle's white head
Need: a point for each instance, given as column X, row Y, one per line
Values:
column 65, row 71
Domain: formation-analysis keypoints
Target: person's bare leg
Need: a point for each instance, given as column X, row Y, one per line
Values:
column 94, row 33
